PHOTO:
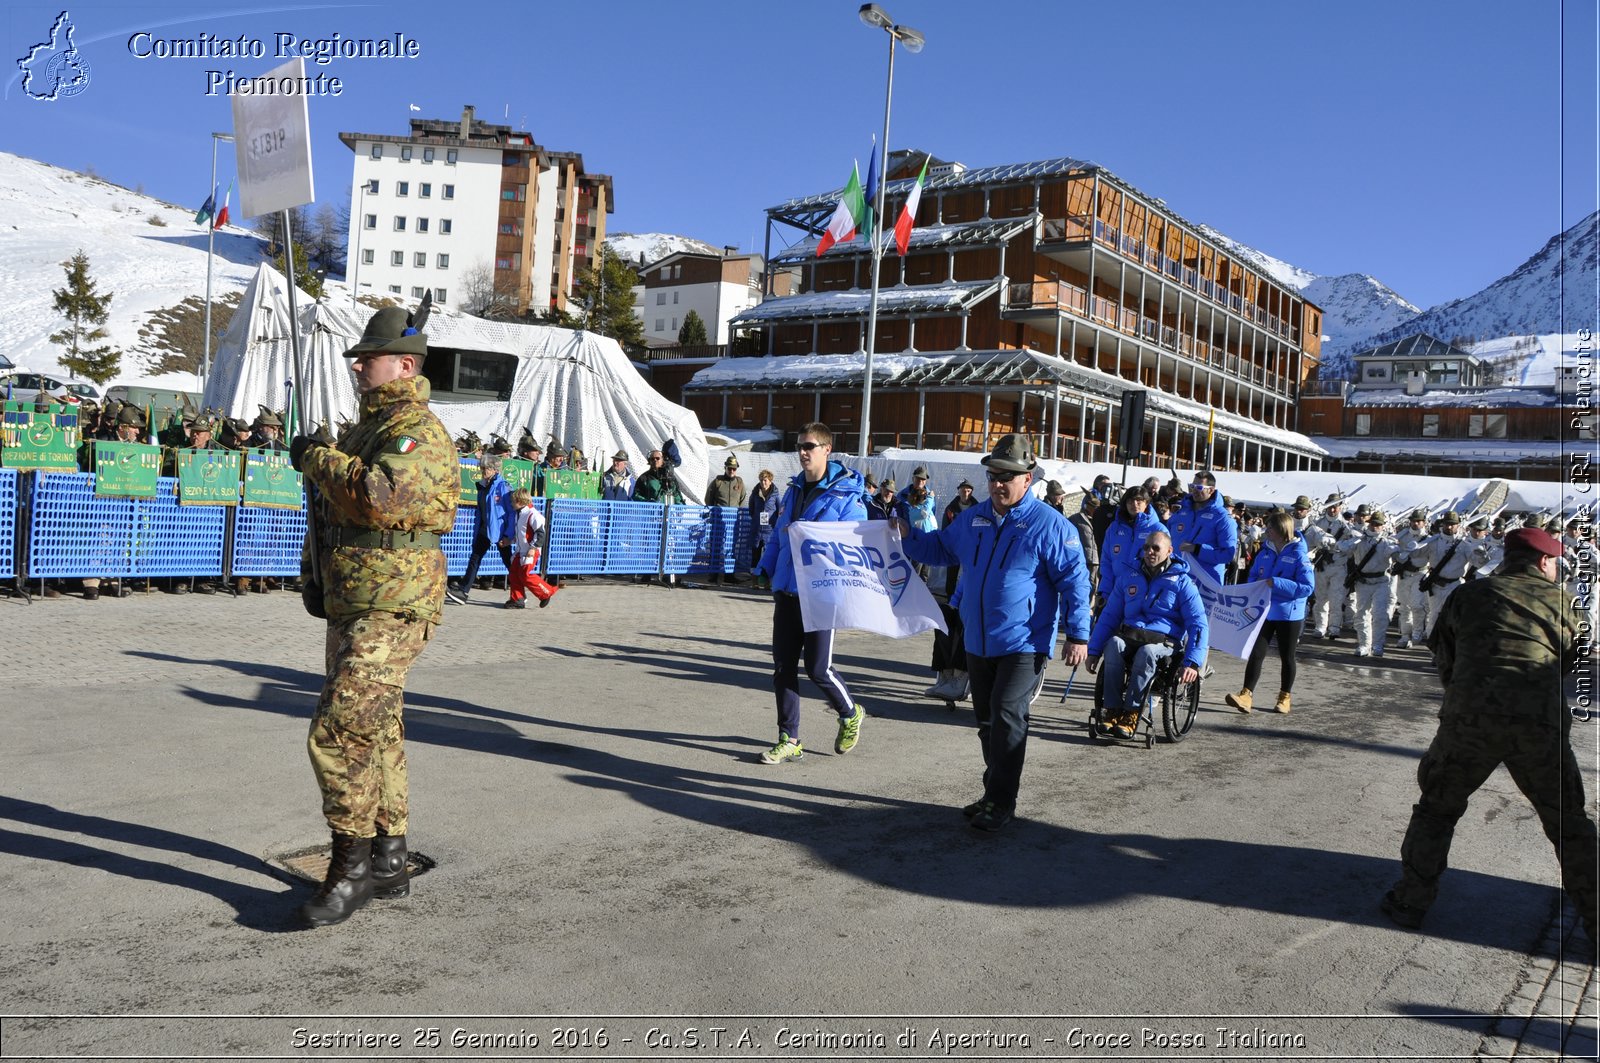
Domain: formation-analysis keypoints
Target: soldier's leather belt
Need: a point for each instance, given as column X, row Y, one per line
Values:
column 384, row 540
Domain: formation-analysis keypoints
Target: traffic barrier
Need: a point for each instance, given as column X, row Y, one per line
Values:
column 8, row 527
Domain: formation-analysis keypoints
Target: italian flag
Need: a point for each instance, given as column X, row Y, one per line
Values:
column 848, row 216
column 222, row 215
column 908, row 214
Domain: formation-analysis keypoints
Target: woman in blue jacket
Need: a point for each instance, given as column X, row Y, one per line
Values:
column 1125, row 537
column 1283, row 560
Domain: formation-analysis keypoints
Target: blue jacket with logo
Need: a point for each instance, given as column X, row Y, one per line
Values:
column 1292, row 579
column 1119, row 553
column 837, row 497
column 494, row 518
column 1211, row 528
column 1015, row 571
column 1168, row 602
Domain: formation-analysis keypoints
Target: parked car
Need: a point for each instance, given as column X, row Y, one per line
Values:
column 24, row 386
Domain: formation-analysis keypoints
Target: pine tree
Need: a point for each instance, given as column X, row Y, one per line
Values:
column 306, row 279
column 85, row 310
column 693, row 332
column 607, row 293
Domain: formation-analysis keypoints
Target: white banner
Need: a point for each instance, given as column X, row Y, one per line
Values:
column 272, row 142
column 1236, row 611
column 854, row 574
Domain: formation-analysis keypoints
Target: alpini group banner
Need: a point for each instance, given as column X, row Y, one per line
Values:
column 40, row 439
column 269, row 480
column 208, row 477
column 126, row 470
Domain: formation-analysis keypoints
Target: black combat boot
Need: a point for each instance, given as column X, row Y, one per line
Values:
column 389, row 877
column 348, row 885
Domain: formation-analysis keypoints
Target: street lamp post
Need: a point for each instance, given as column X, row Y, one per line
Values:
column 361, row 221
column 875, row 16
column 211, row 242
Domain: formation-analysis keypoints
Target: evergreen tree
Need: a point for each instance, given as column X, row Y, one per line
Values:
column 693, row 332
column 607, row 295
column 306, row 278
column 85, row 310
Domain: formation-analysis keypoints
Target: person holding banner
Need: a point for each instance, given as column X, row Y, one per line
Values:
column 1020, row 559
column 824, row 490
column 1283, row 560
column 1203, row 528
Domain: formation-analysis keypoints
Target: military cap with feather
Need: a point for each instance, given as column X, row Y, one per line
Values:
column 395, row 330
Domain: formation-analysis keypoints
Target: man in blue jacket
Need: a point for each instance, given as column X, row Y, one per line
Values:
column 824, row 490
column 1203, row 528
column 1019, row 558
column 1153, row 608
column 492, row 523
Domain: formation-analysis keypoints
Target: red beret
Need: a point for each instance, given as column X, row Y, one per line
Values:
column 1536, row 539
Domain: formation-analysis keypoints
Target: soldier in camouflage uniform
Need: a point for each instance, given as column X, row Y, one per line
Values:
column 1501, row 645
column 386, row 493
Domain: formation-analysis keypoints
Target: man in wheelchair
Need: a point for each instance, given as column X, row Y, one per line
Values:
column 1155, row 612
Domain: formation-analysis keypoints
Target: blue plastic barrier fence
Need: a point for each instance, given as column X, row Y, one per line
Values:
column 267, row 541
column 75, row 533
column 590, row 536
column 703, row 538
column 8, row 522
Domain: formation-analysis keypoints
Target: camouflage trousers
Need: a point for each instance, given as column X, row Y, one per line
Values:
column 357, row 739
column 1463, row 754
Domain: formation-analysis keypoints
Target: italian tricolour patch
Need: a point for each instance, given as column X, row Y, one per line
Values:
column 405, row 444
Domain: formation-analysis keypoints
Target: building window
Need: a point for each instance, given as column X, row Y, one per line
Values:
column 1487, row 426
column 420, row 259
column 502, row 263
column 677, row 270
column 674, row 324
column 370, row 221
column 661, row 324
column 427, row 154
column 444, row 226
column 366, row 256
column 674, row 298
column 661, row 298
column 422, row 225
column 416, row 291
column 397, row 258
column 405, row 154
column 1430, row 425
column 377, row 151
column 1375, row 371
column 439, row 295
column 372, row 187
column 1363, row 424
column 394, row 289
column 425, row 189
column 448, row 192
column 444, row 261
column 402, row 188
column 399, row 223
column 450, row 156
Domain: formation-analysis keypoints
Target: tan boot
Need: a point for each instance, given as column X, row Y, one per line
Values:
column 1283, row 702
column 1241, row 700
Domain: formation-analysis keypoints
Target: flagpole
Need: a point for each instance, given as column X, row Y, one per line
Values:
column 873, row 15
column 211, row 242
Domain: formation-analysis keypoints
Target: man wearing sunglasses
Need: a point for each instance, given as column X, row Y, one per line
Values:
column 824, row 490
column 1022, row 568
column 1203, row 529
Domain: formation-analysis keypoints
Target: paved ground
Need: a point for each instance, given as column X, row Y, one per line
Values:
column 611, row 856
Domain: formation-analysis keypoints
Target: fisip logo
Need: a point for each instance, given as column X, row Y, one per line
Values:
column 54, row 68
column 895, row 574
column 1249, row 610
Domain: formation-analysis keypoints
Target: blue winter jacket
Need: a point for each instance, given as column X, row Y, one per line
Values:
column 1119, row 553
column 1014, row 573
column 494, row 519
column 1168, row 602
column 1211, row 528
column 1292, row 578
column 838, row 497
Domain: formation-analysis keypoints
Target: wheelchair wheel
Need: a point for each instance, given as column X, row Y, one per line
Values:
column 1180, row 704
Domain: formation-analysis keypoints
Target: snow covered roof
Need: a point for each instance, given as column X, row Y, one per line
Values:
column 855, row 302
column 1421, row 345
column 956, row 234
column 1462, row 450
column 1473, row 398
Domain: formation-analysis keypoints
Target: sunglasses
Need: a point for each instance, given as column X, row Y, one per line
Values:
column 1198, row 487
column 1002, row 477
column 1151, row 549
column 807, row 448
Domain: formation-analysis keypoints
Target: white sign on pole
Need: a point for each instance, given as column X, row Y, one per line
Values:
column 272, row 141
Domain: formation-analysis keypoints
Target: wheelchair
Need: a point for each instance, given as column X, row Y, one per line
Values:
column 1180, row 703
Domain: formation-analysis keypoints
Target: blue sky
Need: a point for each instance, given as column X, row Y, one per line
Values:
column 1432, row 144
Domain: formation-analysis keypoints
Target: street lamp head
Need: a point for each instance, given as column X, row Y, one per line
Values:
column 873, row 15
column 909, row 37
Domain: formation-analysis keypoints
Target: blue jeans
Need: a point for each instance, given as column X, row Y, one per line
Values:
column 1126, row 683
column 1002, row 687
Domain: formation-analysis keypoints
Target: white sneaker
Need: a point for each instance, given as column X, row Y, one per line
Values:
column 939, row 685
column 455, row 597
column 961, row 684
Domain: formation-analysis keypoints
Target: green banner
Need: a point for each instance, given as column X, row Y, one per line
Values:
column 208, row 477
column 469, row 484
column 126, row 470
column 269, row 480
column 518, row 474
column 40, row 439
column 564, row 483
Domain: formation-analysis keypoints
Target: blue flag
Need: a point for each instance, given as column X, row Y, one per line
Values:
column 871, row 226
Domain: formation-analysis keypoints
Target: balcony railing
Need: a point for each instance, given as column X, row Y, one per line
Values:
column 1077, row 227
column 1062, row 296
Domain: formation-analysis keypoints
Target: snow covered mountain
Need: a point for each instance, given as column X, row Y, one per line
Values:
column 148, row 254
column 1354, row 306
column 645, row 248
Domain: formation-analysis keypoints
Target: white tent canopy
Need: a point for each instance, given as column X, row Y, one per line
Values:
column 575, row 387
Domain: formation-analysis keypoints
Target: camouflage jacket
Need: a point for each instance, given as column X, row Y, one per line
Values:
column 393, row 470
column 1501, row 645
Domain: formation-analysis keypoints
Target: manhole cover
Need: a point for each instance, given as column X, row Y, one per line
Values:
column 312, row 864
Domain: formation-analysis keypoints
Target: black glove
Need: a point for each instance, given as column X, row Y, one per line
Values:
column 297, row 450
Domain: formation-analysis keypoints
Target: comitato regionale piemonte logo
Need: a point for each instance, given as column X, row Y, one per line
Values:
column 54, row 68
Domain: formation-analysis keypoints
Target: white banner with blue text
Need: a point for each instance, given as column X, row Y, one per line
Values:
column 854, row 574
column 1236, row 611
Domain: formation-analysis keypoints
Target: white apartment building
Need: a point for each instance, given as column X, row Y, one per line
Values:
column 457, row 202
column 717, row 287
